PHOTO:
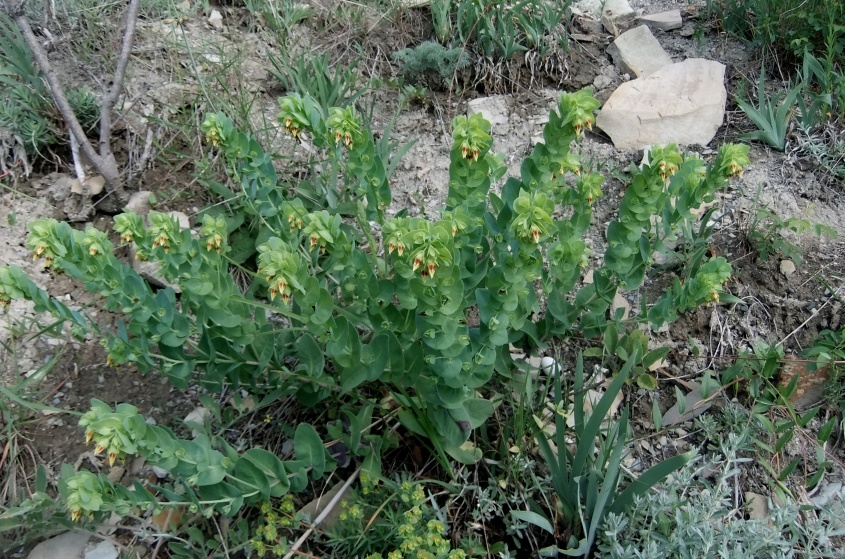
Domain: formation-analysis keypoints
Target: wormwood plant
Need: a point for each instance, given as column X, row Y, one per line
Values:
column 694, row 516
column 432, row 59
column 429, row 310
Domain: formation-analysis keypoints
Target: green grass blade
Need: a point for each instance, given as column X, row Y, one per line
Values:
column 600, row 410
column 647, row 480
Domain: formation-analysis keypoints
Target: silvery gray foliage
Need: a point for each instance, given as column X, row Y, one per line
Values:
column 694, row 516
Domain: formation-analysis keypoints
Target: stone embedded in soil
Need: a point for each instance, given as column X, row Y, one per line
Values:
column 139, row 203
column 787, row 267
column 616, row 14
column 665, row 21
column 809, row 389
column 683, row 103
column 70, row 545
column 758, row 506
column 494, row 109
column 637, row 52
column 215, row 19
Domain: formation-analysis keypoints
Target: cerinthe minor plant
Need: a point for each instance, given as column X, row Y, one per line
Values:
column 428, row 308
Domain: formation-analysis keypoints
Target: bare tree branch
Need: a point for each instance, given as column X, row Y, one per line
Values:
column 104, row 161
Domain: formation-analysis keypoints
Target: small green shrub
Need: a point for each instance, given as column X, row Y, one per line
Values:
column 692, row 517
column 431, row 59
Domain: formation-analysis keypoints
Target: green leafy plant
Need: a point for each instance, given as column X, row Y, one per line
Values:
column 392, row 520
column 312, row 76
column 586, row 479
column 756, row 374
column 501, row 31
column 441, row 19
column 426, row 311
column 771, row 116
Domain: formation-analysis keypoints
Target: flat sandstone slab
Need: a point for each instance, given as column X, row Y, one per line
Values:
column 637, row 52
column 683, row 103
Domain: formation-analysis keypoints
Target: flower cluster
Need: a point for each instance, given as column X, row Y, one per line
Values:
column 293, row 113
column 666, row 159
column 533, row 219
column 96, row 242
column 345, row 125
column 733, row 158
column 213, row 231
column 43, row 240
column 281, row 267
column 579, row 107
column 164, row 230
column 213, row 130
column 110, row 430
column 130, row 227
column 84, row 494
column 472, row 135
column 9, row 289
column 267, row 534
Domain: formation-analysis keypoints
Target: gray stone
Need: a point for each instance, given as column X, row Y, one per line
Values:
column 665, row 21
column 494, row 109
column 182, row 219
column 139, row 203
column 638, row 52
column 70, row 545
column 216, row 20
column 103, row 550
column 616, row 14
column 683, row 103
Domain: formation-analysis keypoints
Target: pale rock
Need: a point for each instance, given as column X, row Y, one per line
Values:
column 616, row 14
column 95, row 185
column 182, row 219
column 831, row 491
column 103, row 550
column 787, row 267
column 665, row 21
column 619, row 302
column 139, row 203
column 70, row 545
column 638, row 52
column 758, row 506
column 316, row 506
column 494, row 109
column 683, row 103
column 216, row 20
column 197, row 418
column 587, row 7
column 590, row 26
column 160, row 472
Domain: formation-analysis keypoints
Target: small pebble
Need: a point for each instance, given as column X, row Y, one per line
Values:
column 787, row 267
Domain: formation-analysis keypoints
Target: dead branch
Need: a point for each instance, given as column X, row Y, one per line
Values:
column 103, row 160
